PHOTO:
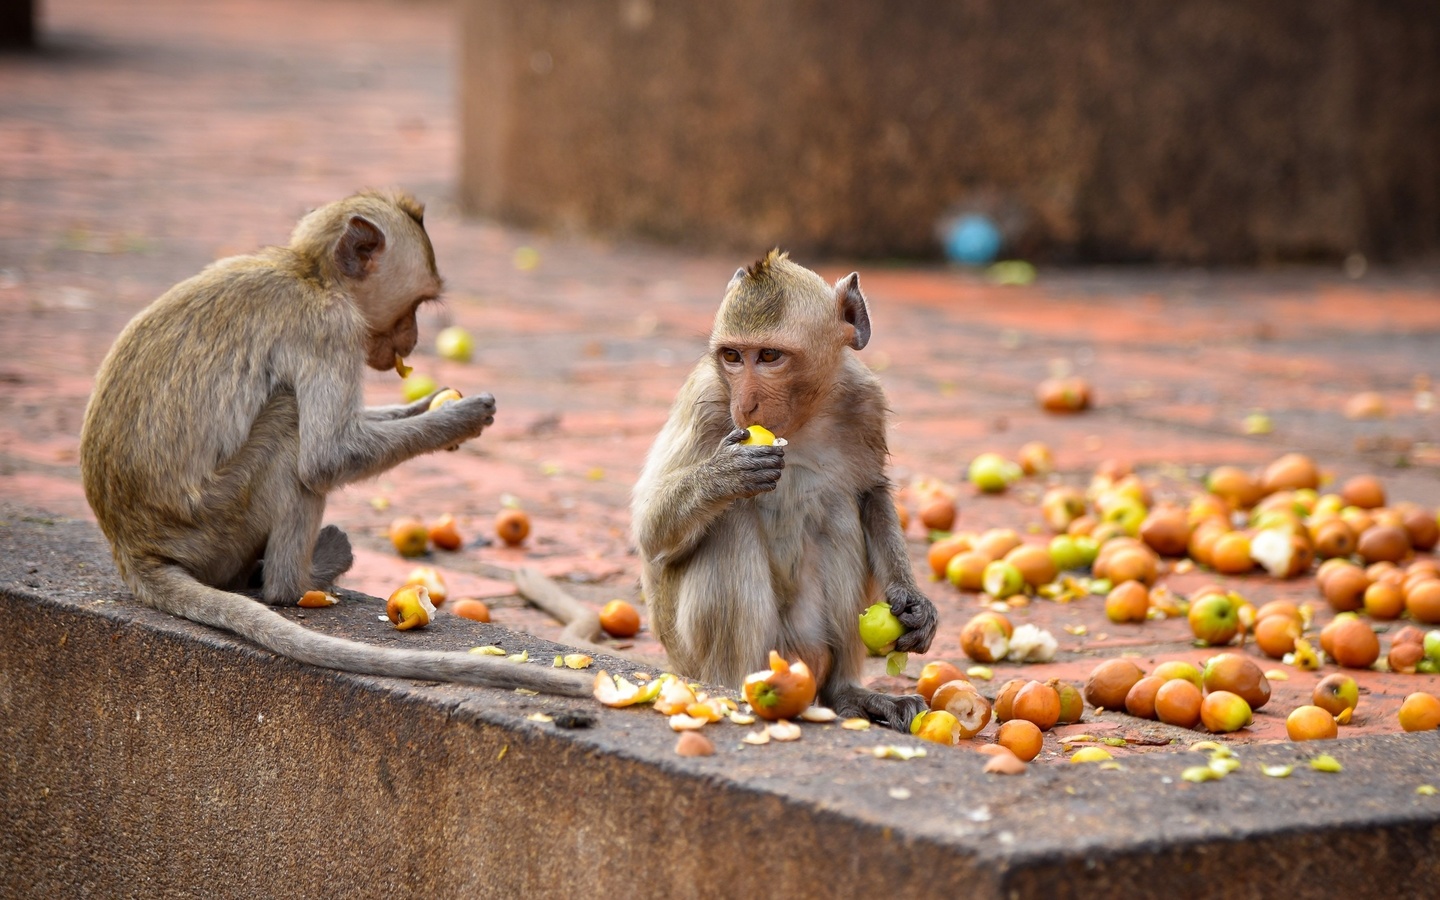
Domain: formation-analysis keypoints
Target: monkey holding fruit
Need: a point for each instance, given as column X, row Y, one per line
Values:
column 230, row 407
column 748, row 547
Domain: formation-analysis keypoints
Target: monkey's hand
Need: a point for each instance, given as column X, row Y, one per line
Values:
column 915, row 612
column 745, row 470
column 885, row 709
column 467, row 416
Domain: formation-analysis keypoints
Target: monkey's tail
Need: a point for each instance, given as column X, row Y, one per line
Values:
column 173, row 590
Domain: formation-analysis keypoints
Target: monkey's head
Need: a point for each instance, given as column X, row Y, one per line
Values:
column 779, row 339
column 374, row 247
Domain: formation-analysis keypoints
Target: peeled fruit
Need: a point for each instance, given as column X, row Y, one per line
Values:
column 1127, row 602
column 1310, row 723
column 1110, row 681
column 1420, row 712
column 470, row 608
column 960, row 699
column 1063, row 395
column 1353, row 644
column 935, row 674
column 1178, row 702
column 1281, row 553
column 880, row 629
column 1002, row 579
column 1022, row 738
column 1238, row 674
column 432, row 580
column 409, row 536
column 759, row 436
column 444, row 534
column 1336, row 693
column 449, row 395
column 1223, row 712
column 1037, row 702
column 415, row 385
column 455, row 344
column 512, row 526
column 1214, row 619
column 986, row 637
column 936, row 725
column 783, row 692
column 410, row 607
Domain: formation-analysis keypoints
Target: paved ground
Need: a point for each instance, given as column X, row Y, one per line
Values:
column 145, row 142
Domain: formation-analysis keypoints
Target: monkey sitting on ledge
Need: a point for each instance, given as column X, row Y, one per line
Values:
column 748, row 548
column 230, row 407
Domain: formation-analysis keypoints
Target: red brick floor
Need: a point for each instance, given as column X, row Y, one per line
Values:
column 151, row 138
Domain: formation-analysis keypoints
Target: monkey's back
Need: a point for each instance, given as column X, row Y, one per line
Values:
column 179, row 393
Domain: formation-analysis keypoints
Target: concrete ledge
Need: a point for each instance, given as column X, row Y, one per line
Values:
column 145, row 756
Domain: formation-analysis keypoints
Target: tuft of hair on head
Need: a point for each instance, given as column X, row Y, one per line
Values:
column 401, row 200
column 760, row 269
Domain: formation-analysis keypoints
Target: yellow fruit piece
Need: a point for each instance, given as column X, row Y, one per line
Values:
column 760, row 436
column 400, row 368
column 1325, row 763
column 449, row 395
column 1091, row 754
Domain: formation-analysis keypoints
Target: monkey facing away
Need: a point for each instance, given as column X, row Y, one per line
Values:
column 230, row 407
column 751, row 548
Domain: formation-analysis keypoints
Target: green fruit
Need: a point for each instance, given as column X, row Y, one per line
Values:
column 992, row 473
column 1002, row 579
column 880, row 629
column 1432, row 645
column 1088, row 548
column 455, row 344
column 416, row 386
column 1065, row 554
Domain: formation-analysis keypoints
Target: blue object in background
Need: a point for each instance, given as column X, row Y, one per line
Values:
column 971, row 240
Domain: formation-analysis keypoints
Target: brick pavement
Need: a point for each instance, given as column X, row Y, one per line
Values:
column 147, row 141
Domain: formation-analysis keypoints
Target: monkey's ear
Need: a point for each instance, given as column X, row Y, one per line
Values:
column 361, row 243
column 853, row 309
column 734, row 279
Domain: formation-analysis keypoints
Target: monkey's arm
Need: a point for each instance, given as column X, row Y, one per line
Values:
column 400, row 410
column 890, row 562
column 676, row 506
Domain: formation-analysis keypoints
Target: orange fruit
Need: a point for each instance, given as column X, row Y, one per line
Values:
column 937, row 512
column 935, row 674
column 943, row 550
column 1279, row 607
column 1384, row 600
column 1423, row 602
column 1275, row 635
column 409, row 536
column 1364, row 491
column 444, row 534
column 1021, row 737
column 1333, row 538
column 783, row 691
column 1231, row 554
column 1353, row 643
column 470, row 608
column 1034, row 563
column 997, row 542
column 1420, row 712
column 1140, row 701
column 1128, row 601
column 1344, row 587
column 1310, row 723
column 1110, row 681
column 1037, row 702
column 512, row 526
column 1005, row 698
column 1135, row 562
column 1177, row 702
column 620, row 619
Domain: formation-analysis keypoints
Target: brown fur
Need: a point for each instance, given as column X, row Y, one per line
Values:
column 230, row 407
column 747, row 549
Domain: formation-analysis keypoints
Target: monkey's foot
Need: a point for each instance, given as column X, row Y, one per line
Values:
column 882, row 709
column 332, row 557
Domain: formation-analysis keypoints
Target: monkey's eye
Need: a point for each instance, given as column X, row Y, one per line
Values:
column 731, row 355
column 770, row 356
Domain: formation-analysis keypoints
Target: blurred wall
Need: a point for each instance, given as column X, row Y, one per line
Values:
column 1190, row 130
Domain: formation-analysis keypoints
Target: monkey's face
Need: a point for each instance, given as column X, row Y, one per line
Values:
column 768, row 386
column 389, row 299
